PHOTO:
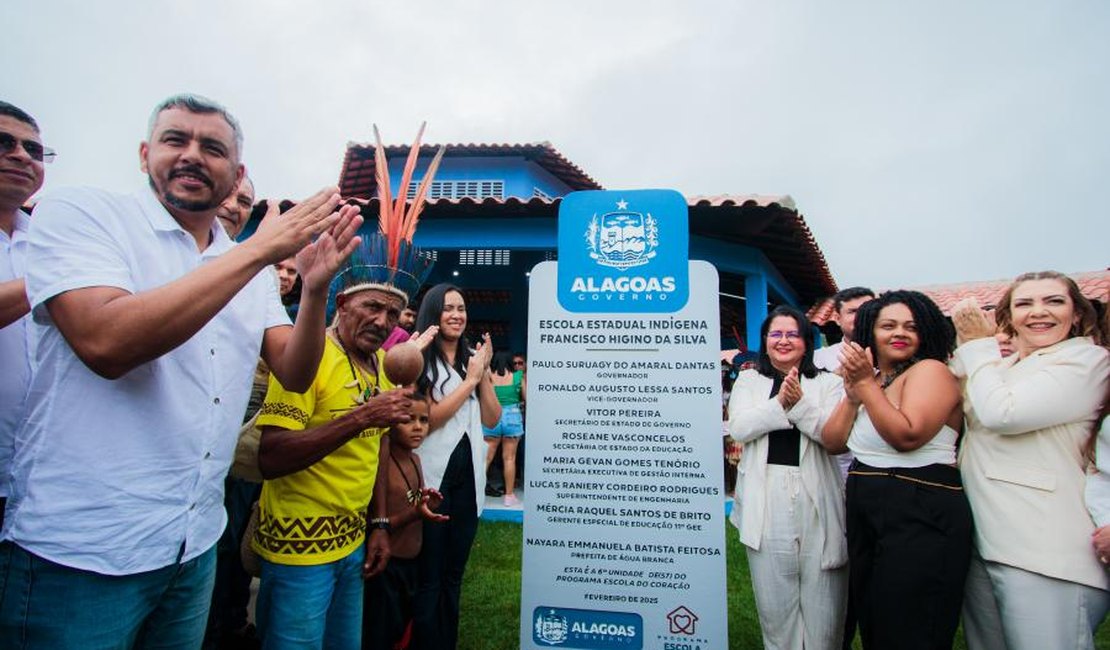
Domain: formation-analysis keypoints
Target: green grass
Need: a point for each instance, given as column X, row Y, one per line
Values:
column 491, row 594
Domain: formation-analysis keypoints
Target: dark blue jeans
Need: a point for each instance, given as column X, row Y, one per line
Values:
column 309, row 607
column 55, row 607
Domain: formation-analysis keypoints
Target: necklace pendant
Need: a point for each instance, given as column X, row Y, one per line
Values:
column 413, row 497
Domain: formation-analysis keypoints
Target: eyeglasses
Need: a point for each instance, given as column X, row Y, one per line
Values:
column 34, row 149
column 518, row 363
column 792, row 334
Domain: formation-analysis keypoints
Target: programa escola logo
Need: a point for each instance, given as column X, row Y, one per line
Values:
column 624, row 251
column 584, row 628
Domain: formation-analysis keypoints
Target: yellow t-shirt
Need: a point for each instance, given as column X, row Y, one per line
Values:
column 318, row 515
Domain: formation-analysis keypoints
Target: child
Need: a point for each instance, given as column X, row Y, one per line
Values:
column 387, row 605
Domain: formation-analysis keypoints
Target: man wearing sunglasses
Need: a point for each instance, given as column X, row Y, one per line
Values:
column 149, row 323
column 21, row 171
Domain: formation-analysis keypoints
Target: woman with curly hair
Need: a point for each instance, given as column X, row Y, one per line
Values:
column 1035, row 581
column 909, row 524
column 789, row 502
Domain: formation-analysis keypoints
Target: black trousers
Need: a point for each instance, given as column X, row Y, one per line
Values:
column 443, row 556
column 388, row 604
column 909, row 547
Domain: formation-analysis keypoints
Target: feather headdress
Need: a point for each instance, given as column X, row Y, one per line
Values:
column 387, row 260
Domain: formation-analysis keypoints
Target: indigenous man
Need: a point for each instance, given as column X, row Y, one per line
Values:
column 319, row 454
column 21, row 172
column 152, row 321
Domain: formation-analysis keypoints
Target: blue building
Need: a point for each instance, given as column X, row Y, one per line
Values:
column 491, row 216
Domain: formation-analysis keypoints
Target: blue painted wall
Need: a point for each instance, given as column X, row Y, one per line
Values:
column 519, row 175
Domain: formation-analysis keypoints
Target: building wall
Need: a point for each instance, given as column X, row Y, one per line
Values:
column 520, row 176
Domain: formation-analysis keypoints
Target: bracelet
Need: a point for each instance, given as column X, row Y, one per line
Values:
column 381, row 523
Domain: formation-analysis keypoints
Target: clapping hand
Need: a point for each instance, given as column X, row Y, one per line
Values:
column 791, row 390
column 479, row 362
column 970, row 321
column 280, row 236
column 318, row 261
column 425, row 338
column 857, row 367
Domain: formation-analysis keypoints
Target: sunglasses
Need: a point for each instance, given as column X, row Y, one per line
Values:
column 35, row 150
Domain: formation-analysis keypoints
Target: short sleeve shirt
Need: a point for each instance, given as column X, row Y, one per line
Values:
column 124, row 476
column 318, row 514
column 14, row 346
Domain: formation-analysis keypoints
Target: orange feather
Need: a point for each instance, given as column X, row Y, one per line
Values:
column 381, row 176
column 413, row 215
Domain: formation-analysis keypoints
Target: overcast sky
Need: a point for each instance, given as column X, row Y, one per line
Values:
column 924, row 142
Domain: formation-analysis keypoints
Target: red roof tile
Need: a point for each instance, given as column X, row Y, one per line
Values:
column 1095, row 285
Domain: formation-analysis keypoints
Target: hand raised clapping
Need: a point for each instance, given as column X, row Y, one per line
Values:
column 970, row 321
column 478, row 365
column 857, row 366
column 791, row 390
column 425, row 338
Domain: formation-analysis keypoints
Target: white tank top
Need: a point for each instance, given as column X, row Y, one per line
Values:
column 870, row 448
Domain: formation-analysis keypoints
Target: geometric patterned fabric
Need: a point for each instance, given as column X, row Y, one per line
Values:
column 318, row 515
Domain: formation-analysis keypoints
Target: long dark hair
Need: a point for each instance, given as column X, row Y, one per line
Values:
column 431, row 311
column 936, row 337
column 805, row 331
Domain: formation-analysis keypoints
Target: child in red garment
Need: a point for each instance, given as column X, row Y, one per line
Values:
column 387, row 604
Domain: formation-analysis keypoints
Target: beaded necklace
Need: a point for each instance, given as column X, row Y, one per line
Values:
column 887, row 380
column 362, row 394
column 412, row 495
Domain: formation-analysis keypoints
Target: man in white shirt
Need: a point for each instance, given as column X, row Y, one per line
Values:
column 151, row 323
column 21, row 173
column 846, row 302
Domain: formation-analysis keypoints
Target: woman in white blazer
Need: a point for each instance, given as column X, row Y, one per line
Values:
column 1035, row 581
column 789, row 501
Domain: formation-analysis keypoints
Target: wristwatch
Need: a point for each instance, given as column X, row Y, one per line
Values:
column 380, row 523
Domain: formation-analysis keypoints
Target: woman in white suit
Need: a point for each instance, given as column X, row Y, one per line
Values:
column 789, row 500
column 1034, row 580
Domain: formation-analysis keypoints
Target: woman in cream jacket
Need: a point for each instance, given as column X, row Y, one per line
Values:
column 789, row 498
column 1035, row 581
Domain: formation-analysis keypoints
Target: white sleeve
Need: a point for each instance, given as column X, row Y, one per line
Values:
column 1098, row 484
column 71, row 245
column 751, row 413
column 1067, row 389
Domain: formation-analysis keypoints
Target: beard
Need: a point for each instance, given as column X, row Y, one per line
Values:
column 189, row 205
